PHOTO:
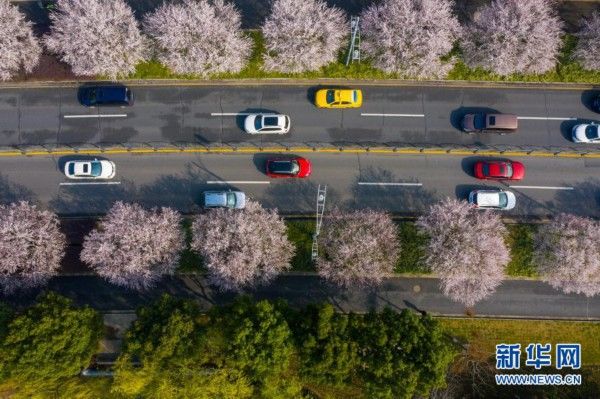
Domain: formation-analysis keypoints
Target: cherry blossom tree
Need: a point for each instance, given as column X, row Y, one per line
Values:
column 198, row 37
column 357, row 248
column 134, row 247
column 587, row 51
column 513, row 36
column 302, row 35
column 410, row 37
column 31, row 246
column 568, row 256
column 96, row 37
column 20, row 48
column 466, row 249
column 242, row 247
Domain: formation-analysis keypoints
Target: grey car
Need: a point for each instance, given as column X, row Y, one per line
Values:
column 224, row 199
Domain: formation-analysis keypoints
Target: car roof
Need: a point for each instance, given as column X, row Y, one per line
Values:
column 488, row 198
column 112, row 93
column 346, row 95
column 503, row 121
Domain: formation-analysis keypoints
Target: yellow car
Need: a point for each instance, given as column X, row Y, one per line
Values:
column 338, row 98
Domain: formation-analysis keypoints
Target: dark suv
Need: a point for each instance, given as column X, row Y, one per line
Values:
column 92, row 96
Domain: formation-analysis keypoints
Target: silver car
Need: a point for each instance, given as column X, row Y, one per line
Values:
column 85, row 169
column 267, row 124
column 493, row 199
column 225, row 199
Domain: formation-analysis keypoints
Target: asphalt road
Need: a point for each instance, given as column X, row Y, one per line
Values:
column 514, row 298
column 399, row 115
column 400, row 184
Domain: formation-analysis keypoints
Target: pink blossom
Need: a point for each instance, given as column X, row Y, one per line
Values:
column 134, row 247
column 19, row 49
column 242, row 247
column 587, row 50
column 568, row 256
column 466, row 249
column 303, row 35
column 31, row 246
column 96, row 37
column 199, row 37
column 514, row 36
column 410, row 37
column 357, row 248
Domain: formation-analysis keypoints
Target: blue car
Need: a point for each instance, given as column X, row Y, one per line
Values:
column 92, row 96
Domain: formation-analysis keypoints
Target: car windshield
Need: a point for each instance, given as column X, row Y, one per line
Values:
column 330, row 96
column 258, row 123
column 486, row 169
column 270, row 121
column 288, row 167
column 355, row 96
column 479, row 121
column 502, row 200
column 96, row 168
column 591, row 132
column 508, row 170
column 71, row 168
column 230, row 200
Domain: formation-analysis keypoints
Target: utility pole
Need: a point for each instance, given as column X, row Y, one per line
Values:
column 354, row 50
column 321, row 194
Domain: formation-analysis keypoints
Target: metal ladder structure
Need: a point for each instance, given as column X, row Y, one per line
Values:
column 354, row 50
column 321, row 195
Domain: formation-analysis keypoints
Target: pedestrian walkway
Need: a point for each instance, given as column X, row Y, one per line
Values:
column 513, row 299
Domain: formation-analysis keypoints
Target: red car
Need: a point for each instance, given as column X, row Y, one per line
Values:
column 499, row 170
column 288, row 167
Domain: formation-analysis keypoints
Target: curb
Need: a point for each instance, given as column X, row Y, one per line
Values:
column 15, row 152
column 472, row 84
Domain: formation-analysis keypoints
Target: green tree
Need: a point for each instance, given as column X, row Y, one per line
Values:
column 255, row 338
column 402, row 354
column 168, row 341
column 327, row 350
column 6, row 315
column 50, row 340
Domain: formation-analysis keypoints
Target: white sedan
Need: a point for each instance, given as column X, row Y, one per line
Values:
column 586, row 133
column 493, row 199
column 96, row 169
column 267, row 124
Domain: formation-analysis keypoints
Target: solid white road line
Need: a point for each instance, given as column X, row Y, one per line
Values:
column 545, row 118
column 237, row 182
column 389, row 184
column 88, row 183
column 544, row 187
column 229, row 113
column 96, row 116
column 396, row 115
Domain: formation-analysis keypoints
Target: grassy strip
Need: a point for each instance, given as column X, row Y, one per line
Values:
column 487, row 334
column 567, row 70
column 520, row 242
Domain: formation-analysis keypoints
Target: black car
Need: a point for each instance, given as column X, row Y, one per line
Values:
column 92, row 96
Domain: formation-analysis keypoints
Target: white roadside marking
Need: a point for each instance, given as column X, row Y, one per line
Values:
column 88, row 183
column 229, row 113
column 237, row 182
column 96, row 116
column 545, row 118
column 396, row 115
column 544, row 187
column 389, row 184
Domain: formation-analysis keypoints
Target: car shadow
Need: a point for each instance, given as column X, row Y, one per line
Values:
column 588, row 97
column 458, row 114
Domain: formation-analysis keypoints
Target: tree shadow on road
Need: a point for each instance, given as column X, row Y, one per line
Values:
column 91, row 199
column 405, row 200
column 13, row 192
column 583, row 200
